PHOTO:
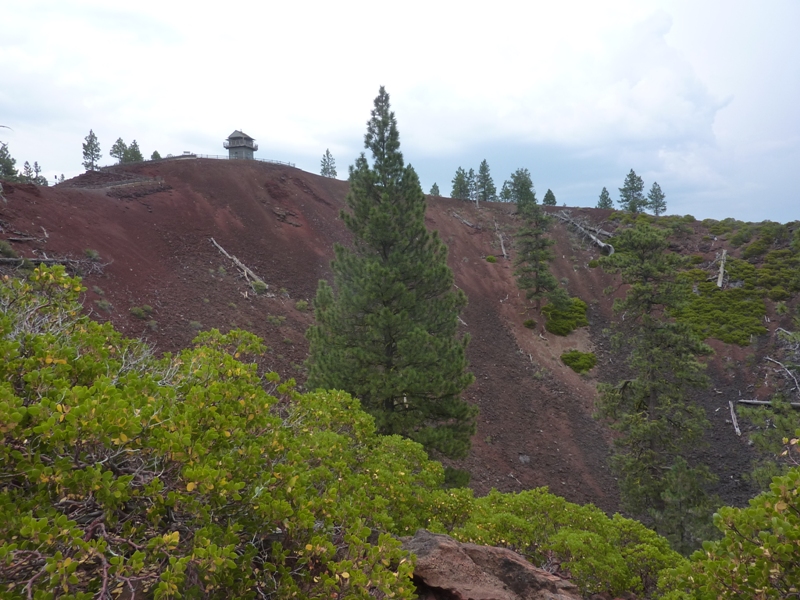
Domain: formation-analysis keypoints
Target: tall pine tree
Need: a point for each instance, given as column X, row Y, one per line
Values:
column 631, row 194
column 534, row 255
column 328, row 165
column 8, row 164
column 549, row 198
column 605, row 200
column 91, row 152
column 659, row 426
column 487, row 192
column 387, row 331
column 460, row 185
column 656, row 200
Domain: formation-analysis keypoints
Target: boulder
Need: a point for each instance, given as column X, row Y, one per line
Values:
column 449, row 570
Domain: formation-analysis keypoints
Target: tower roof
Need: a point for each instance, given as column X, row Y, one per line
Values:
column 239, row 134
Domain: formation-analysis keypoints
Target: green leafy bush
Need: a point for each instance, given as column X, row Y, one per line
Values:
column 93, row 255
column 529, row 324
column 563, row 321
column 6, row 250
column 758, row 555
column 603, row 555
column 301, row 305
column 594, row 263
column 580, row 362
column 142, row 312
column 491, row 259
column 259, row 287
column 183, row 476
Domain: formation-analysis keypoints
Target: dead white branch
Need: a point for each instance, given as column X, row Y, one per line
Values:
column 464, row 221
column 247, row 272
column 765, row 403
column 733, row 418
column 721, row 268
column 788, row 372
column 500, row 235
column 586, row 230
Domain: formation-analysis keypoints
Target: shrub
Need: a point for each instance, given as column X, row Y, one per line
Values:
column 580, row 362
column 6, row 250
column 563, row 321
column 301, row 305
column 259, row 287
column 103, row 305
column 142, row 312
column 491, row 259
column 778, row 293
column 594, row 263
column 196, row 325
column 529, row 323
column 276, row 320
column 92, row 255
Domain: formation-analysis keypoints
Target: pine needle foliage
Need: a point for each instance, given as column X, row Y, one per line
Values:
column 650, row 409
column 386, row 331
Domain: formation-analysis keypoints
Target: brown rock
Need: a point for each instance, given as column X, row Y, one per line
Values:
column 447, row 569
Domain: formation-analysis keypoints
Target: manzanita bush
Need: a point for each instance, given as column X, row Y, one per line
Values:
column 196, row 475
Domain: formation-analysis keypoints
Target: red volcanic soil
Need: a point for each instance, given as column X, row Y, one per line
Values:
column 152, row 225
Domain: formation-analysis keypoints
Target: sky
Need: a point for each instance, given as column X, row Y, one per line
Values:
column 699, row 96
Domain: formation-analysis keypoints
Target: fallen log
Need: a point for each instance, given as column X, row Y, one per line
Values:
column 248, row 273
column 604, row 246
column 733, row 418
column 464, row 221
column 766, row 403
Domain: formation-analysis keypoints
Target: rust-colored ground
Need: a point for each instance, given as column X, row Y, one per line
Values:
column 153, row 223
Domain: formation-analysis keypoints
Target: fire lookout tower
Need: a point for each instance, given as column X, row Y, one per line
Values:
column 240, row 145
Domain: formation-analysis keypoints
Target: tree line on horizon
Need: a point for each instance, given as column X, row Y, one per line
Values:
column 121, row 151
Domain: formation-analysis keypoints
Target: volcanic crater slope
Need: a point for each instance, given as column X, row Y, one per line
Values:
column 151, row 225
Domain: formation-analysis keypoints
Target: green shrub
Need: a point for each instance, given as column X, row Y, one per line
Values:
column 580, row 362
column 276, row 320
column 594, row 263
column 301, row 305
column 259, row 287
column 103, row 305
column 758, row 555
column 92, row 255
column 491, row 259
column 778, row 293
column 696, row 259
column 6, row 250
column 529, row 324
column 563, row 321
column 196, row 325
column 142, row 312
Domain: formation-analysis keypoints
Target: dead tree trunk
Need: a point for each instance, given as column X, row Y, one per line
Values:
column 585, row 230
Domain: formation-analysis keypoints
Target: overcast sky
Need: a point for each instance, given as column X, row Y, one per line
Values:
column 700, row 96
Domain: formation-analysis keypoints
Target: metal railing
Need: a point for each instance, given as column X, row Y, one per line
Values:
column 240, row 144
column 266, row 160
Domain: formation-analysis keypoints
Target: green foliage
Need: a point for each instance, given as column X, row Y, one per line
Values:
column 155, row 155
column 657, row 424
column 519, row 188
column 91, row 152
column 549, row 198
column 564, row 319
column 758, row 555
column 301, row 305
column 580, row 362
column 484, row 184
column 8, row 168
column 142, row 312
column 6, row 250
column 388, row 333
column 259, row 287
column 656, row 200
column 435, row 190
column 276, row 320
column 328, row 165
column 605, row 200
column 529, row 324
column 631, row 194
column 119, row 150
column 103, row 305
column 133, row 153
column 594, row 263
column 205, row 484
column 92, row 255
column 534, row 254
column 491, row 259
column 460, row 185
column 603, row 555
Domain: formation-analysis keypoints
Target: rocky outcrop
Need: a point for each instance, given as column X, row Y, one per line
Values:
column 447, row 569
